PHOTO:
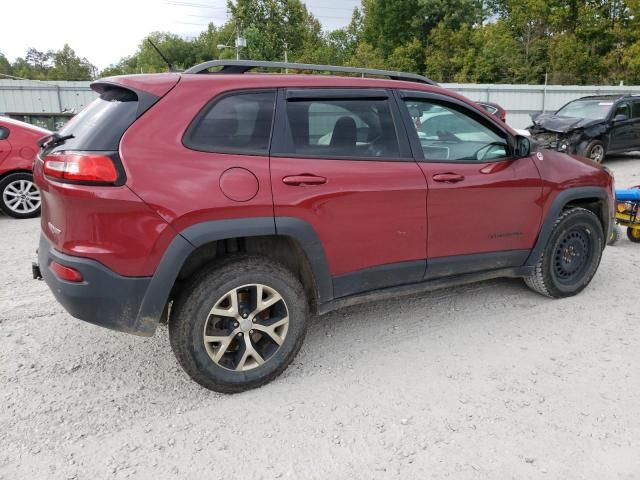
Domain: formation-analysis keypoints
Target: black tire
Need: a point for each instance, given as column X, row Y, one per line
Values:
column 595, row 151
column 191, row 318
column 9, row 182
column 577, row 236
column 633, row 234
column 616, row 235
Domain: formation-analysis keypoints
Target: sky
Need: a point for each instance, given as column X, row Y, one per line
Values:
column 104, row 32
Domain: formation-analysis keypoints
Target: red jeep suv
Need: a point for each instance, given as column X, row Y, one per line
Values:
column 235, row 204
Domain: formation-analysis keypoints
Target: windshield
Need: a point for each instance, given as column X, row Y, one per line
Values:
column 589, row 109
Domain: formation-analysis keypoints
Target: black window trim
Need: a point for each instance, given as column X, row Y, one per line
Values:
column 488, row 120
column 635, row 102
column 189, row 144
column 328, row 93
column 282, row 141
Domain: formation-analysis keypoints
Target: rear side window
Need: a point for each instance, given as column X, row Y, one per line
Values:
column 102, row 123
column 239, row 123
column 4, row 133
column 636, row 109
column 342, row 129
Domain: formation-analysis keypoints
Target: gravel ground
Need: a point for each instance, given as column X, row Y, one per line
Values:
column 483, row 381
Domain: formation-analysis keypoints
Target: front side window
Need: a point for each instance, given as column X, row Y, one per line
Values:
column 449, row 134
column 238, row 123
column 623, row 109
column 342, row 129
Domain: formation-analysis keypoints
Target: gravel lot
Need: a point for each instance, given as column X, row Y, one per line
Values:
column 483, row 381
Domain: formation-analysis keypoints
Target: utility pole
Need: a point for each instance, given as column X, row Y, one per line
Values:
column 286, row 56
column 241, row 42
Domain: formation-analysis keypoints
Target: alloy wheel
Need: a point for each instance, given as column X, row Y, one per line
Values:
column 597, row 153
column 21, row 197
column 246, row 327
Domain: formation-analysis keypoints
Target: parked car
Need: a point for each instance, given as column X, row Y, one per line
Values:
column 239, row 217
column 494, row 109
column 592, row 127
column 19, row 197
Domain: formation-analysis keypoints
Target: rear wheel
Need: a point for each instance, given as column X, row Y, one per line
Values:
column 239, row 324
column 571, row 257
column 19, row 196
column 633, row 234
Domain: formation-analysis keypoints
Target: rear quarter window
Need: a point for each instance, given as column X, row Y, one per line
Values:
column 4, row 133
column 238, row 123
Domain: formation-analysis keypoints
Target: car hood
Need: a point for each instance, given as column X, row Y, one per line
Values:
column 556, row 123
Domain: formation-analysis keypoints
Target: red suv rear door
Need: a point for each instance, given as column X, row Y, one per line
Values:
column 484, row 205
column 340, row 161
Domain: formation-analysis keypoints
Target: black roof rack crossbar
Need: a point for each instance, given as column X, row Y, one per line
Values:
column 243, row 66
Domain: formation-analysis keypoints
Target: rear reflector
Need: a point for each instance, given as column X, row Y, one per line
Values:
column 66, row 273
column 81, row 167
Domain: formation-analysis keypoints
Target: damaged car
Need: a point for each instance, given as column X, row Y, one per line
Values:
column 591, row 127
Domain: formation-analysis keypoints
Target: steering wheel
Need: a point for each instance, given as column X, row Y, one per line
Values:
column 488, row 147
column 372, row 149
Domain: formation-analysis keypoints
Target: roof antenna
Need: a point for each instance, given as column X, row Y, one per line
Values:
column 171, row 67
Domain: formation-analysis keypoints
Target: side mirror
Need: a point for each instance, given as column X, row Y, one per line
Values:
column 523, row 146
column 621, row 117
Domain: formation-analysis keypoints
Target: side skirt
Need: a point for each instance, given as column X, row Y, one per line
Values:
column 422, row 287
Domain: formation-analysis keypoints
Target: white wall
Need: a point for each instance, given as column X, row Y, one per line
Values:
column 519, row 100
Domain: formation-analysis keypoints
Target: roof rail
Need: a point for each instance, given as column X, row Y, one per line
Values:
column 243, row 66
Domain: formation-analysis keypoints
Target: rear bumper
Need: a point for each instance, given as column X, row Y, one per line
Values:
column 103, row 298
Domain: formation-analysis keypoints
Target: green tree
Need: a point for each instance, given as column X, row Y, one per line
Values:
column 5, row 66
column 273, row 26
column 389, row 24
column 450, row 54
column 407, row 58
column 366, row 56
column 68, row 66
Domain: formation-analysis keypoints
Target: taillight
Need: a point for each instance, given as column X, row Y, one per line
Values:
column 66, row 273
column 503, row 116
column 82, row 167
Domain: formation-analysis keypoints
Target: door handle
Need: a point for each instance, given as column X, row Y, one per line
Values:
column 448, row 177
column 297, row 180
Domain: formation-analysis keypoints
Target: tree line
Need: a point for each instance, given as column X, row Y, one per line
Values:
column 63, row 64
column 477, row 41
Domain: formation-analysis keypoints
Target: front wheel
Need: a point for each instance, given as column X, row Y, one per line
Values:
column 239, row 324
column 633, row 234
column 595, row 151
column 19, row 196
column 571, row 257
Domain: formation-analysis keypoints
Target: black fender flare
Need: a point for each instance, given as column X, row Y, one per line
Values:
column 561, row 200
column 189, row 239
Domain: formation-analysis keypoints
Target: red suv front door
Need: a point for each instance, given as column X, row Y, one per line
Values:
column 340, row 164
column 484, row 205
